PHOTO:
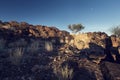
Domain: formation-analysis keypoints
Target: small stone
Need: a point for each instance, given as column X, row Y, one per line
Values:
column 35, row 67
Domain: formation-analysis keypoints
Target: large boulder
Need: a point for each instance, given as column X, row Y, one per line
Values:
column 111, row 71
column 81, row 41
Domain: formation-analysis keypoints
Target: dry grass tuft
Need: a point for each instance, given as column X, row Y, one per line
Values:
column 16, row 55
column 49, row 46
column 64, row 73
column 34, row 46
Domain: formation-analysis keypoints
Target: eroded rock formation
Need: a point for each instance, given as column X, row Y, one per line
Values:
column 36, row 52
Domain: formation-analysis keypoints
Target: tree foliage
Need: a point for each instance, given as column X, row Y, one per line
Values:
column 76, row 27
column 116, row 31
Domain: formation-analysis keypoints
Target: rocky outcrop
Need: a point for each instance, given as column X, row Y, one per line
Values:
column 24, row 29
column 81, row 41
column 36, row 52
column 93, row 44
column 111, row 71
column 115, row 41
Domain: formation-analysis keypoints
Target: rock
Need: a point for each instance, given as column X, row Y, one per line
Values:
column 35, row 68
column 81, row 41
column 91, row 69
column 48, row 48
column 52, row 34
column 111, row 71
column 26, row 30
column 96, row 57
column 115, row 41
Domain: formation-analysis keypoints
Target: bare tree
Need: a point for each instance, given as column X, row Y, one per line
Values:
column 76, row 27
column 116, row 30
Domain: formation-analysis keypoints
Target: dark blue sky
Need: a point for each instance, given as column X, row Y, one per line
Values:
column 95, row 15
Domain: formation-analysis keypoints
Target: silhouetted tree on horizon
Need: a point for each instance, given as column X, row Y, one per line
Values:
column 116, row 30
column 75, row 27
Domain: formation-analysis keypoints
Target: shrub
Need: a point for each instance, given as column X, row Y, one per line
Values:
column 16, row 55
column 116, row 30
column 48, row 46
column 33, row 47
column 64, row 73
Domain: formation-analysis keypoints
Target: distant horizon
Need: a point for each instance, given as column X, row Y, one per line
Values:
column 95, row 15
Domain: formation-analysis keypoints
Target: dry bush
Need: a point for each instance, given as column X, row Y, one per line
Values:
column 16, row 55
column 64, row 73
column 49, row 46
column 33, row 47
column 115, row 30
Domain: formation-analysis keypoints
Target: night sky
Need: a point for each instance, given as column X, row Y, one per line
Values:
column 95, row 15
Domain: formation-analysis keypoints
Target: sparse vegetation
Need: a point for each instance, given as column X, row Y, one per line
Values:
column 33, row 47
column 48, row 46
column 116, row 30
column 16, row 55
column 44, row 53
column 64, row 73
column 75, row 27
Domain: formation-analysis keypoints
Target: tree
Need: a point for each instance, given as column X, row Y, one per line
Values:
column 116, row 31
column 76, row 27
